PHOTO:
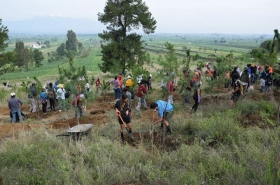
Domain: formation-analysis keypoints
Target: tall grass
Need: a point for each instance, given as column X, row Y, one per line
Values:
column 222, row 153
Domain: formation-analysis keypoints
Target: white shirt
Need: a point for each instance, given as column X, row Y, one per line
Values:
column 60, row 93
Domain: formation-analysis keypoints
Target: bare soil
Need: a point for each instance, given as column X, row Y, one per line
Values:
column 97, row 113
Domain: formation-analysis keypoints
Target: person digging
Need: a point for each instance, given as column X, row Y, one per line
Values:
column 123, row 113
column 164, row 110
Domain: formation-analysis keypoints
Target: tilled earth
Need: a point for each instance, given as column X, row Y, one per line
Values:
column 100, row 112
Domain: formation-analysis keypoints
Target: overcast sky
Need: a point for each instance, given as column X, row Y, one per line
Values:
column 173, row 16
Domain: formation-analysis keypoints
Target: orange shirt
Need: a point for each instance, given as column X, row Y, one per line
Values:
column 196, row 76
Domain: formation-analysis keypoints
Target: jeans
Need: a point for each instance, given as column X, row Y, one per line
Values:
column 170, row 99
column 14, row 112
column 80, row 109
column 117, row 93
column 44, row 107
column 52, row 104
column 141, row 101
column 195, row 106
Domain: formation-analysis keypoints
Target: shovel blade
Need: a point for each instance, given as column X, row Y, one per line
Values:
column 131, row 137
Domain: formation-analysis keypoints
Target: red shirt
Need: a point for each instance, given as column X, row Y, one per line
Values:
column 120, row 80
column 77, row 101
column 141, row 89
column 170, row 86
column 97, row 82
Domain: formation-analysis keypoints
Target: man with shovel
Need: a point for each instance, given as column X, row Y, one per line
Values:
column 123, row 112
column 164, row 110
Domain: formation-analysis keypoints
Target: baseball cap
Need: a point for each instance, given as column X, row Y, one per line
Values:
column 13, row 94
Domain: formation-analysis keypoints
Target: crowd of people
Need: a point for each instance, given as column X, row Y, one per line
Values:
column 52, row 96
column 124, row 95
column 55, row 95
column 239, row 80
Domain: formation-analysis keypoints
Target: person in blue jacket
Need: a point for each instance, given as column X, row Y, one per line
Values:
column 165, row 111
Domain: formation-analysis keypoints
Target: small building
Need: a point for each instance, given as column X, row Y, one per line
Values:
column 36, row 46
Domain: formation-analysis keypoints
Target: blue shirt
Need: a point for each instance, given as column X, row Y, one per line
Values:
column 163, row 108
column 43, row 95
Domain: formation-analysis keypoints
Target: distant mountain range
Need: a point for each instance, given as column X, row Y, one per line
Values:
column 54, row 25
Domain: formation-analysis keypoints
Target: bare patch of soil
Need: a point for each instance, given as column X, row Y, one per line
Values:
column 156, row 139
column 11, row 130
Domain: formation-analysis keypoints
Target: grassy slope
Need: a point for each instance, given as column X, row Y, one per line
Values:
column 211, row 147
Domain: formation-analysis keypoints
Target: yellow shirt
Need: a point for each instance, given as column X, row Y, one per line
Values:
column 128, row 82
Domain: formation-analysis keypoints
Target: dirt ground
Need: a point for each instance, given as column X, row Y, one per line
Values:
column 51, row 120
column 97, row 113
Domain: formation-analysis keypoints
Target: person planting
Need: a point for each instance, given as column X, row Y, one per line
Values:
column 123, row 112
column 164, row 110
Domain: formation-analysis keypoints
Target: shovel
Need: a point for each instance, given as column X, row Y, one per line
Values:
column 129, row 134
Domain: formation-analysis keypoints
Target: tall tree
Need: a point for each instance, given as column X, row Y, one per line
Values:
column 3, row 36
column 5, row 58
column 38, row 57
column 20, row 54
column 28, row 58
column 72, row 42
column 122, row 49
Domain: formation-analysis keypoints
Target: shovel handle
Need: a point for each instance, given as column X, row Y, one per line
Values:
column 122, row 120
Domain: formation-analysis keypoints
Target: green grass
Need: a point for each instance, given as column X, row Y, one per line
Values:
column 208, row 147
column 238, row 156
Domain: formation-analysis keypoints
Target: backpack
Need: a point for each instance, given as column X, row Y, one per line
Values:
column 244, row 77
column 51, row 94
column 44, row 101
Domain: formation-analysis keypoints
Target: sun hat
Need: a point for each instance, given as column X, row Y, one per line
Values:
column 60, row 85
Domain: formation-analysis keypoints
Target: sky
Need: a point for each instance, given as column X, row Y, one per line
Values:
column 172, row 16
